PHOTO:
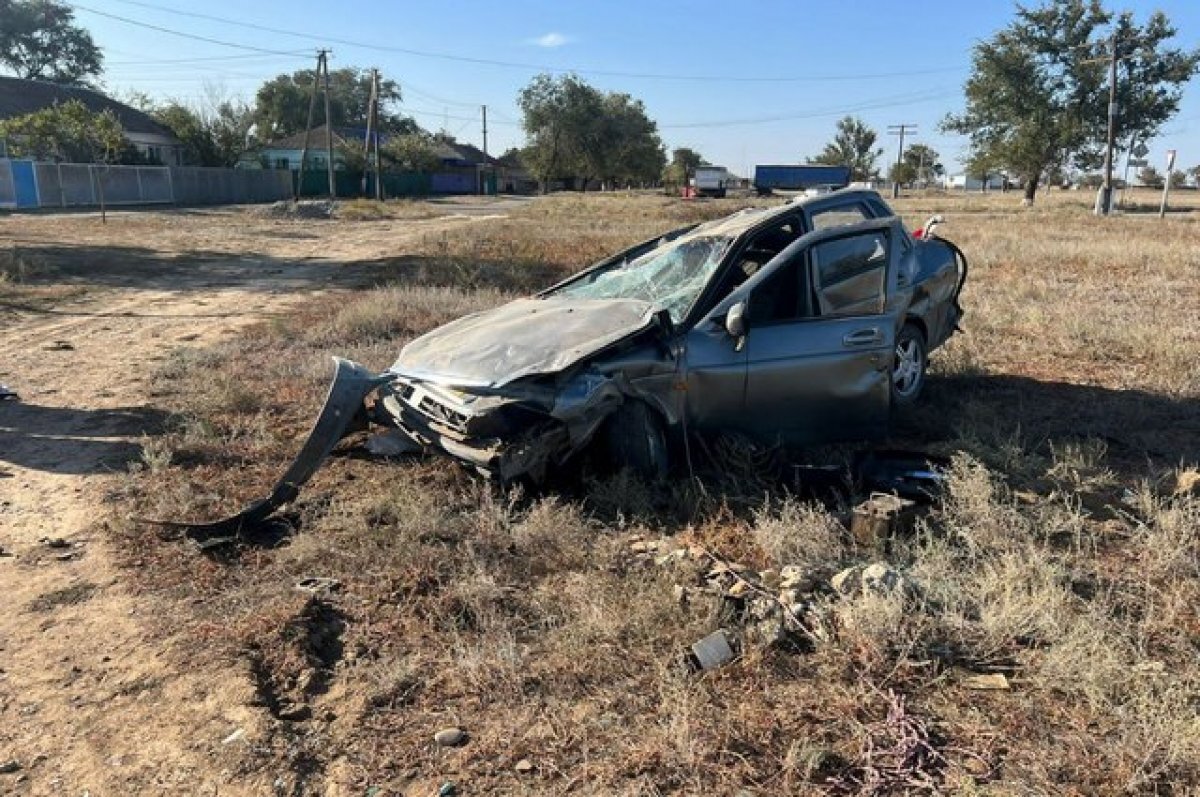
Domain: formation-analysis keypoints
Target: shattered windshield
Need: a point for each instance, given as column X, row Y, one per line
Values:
column 670, row 276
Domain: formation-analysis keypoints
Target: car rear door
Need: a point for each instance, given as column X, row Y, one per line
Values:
column 819, row 341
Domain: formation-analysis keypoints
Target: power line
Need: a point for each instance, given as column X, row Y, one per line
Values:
column 868, row 105
column 812, row 78
column 203, row 59
column 193, row 36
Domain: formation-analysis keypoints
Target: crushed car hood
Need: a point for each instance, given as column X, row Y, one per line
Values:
column 521, row 338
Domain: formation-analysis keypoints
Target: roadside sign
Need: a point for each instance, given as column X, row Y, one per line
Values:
column 1170, row 159
column 1141, row 150
column 1138, row 163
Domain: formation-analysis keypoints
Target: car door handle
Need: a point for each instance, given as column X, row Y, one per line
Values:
column 863, row 337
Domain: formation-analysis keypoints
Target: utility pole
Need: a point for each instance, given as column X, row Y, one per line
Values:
column 378, row 161
column 1104, row 204
column 312, row 105
column 899, row 130
column 328, row 132
column 367, row 141
column 485, row 168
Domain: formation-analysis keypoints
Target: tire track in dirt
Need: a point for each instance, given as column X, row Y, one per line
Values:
column 89, row 701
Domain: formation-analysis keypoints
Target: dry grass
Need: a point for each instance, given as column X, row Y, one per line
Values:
column 1065, row 554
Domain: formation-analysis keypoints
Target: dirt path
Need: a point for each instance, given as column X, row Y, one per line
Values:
column 89, row 703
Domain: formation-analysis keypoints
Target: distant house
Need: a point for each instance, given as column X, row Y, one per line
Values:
column 20, row 97
column 965, row 182
column 285, row 153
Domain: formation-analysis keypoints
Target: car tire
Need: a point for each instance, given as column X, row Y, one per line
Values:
column 636, row 439
column 908, row 366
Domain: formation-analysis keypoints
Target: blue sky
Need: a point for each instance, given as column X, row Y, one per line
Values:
column 766, row 81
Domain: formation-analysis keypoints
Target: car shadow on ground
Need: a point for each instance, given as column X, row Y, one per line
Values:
column 991, row 415
column 73, row 441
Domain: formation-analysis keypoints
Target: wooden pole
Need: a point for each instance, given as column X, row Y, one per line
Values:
column 378, row 161
column 328, row 133
column 312, row 106
column 367, row 140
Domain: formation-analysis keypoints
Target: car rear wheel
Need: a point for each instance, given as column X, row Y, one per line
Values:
column 636, row 439
column 908, row 367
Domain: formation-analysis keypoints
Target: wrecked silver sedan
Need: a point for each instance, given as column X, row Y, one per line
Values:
column 801, row 324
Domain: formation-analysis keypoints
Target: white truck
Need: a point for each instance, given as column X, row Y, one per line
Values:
column 711, row 181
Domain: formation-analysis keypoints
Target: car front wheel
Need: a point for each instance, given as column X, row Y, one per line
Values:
column 908, row 367
column 636, row 440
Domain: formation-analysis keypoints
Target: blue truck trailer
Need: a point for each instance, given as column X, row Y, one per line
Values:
column 799, row 178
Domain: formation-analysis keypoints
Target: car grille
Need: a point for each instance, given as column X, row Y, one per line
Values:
column 436, row 411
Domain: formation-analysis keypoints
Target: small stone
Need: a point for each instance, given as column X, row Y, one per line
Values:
column 794, row 577
column 295, row 713
column 987, row 681
column 643, row 546
column 236, row 736
column 7, row 767
column 450, row 737
column 849, row 581
column 680, row 593
column 55, row 542
column 882, row 580
column 448, row 789
column 523, row 766
column 739, row 589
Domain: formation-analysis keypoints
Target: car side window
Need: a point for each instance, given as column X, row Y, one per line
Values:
column 840, row 215
column 850, row 273
column 782, row 296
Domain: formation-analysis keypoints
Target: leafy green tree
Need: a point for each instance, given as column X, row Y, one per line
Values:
column 1178, row 178
column 924, row 162
column 1150, row 77
column 39, row 40
column 559, row 116
column 684, row 161
column 853, row 145
column 412, row 152
column 1038, row 95
column 630, row 149
column 1150, row 177
column 192, row 130
column 68, row 132
column 576, row 131
column 281, row 104
column 229, row 123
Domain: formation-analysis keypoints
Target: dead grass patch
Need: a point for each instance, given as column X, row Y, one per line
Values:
column 1063, row 556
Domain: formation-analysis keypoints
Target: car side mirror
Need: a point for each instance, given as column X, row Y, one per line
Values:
column 735, row 324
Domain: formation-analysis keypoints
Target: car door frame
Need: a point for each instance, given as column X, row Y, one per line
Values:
column 870, row 362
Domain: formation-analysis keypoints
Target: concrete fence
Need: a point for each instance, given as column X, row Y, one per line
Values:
column 27, row 184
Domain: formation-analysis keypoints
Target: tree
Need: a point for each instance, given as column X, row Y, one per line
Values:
column 1037, row 96
column 281, row 104
column 1178, row 178
column 412, row 152
column 39, row 41
column 630, row 149
column 853, row 145
column 1150, row 77
column 192, row 130
column 576, row 131
column 1150, row 177
column 68, row 132
column 924, row 162
column 684, row 161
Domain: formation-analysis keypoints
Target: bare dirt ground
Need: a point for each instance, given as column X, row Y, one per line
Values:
column 88, row 702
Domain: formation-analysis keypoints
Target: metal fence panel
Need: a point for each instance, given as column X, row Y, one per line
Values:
column 76, row 185
column 50, row 193
column 8, row 192
column 155, row 184
column 198, row 185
